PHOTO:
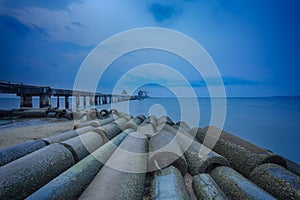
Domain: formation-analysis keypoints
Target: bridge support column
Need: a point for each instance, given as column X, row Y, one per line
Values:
column 96, row 100
column 67, row 103
column 77, row 101
column 91, row 100
column 26, row 101
column 84, row 101
column 57, row 101
column 45, row 101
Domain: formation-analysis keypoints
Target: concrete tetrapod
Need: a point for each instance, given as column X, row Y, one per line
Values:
column 206, row 188
column 12, row 153
column 71, row 183
column 278, row 181
column 236, row 186
column 34, row 113
column 200, row 159
column 123, row 176
column 165, row 151
column 241, row 154
column 83, row 145
column 168, row 184
column 67, row 135
column 22, row 177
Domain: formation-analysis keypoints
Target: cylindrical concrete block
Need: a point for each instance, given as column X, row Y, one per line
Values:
column 236, row 186
column 146, row 128
column 110, row 130
column 94, row 123
column 12, row 153
column 200, row 159
column 277, row 180
column 71, row 183
column 242, row 155
column 83, row 145
column 93, row 114
column 183, row 125
column 206, row 188
column 133, row 123
column 293, row 167
column 5, row 113
column 69, row 115
column 165, row 120
column 51, row 114
column 24, row 176
column 34, row 113
column 168, row 184
column 165, row 151
column 128, row 181
column 67, row 135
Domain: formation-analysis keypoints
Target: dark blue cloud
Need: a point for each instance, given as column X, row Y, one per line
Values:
column 226, row 80
column 53, row 4
column 162, row 12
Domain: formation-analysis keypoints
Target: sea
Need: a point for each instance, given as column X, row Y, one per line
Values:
column 269, row 122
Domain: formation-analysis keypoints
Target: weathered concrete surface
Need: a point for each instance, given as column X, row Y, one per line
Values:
column 94, row 123
column 146, row 128
column 200, row 159
column 293, row 167
column 241, row 154
column 168, row 184
column 71, row 183
column 34, row 113
column 12, row 153
column 24, row 176
column 110, row 130
column 83, row 145
column 183, row 125
column 277, row 180
column 165, row 151
column 236, row 186
column 133, row 123
column 165, row 120
column 128, row 181
column 206, row 188
column 67, row 135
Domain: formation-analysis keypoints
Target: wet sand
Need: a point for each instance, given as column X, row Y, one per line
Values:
column 24, row 130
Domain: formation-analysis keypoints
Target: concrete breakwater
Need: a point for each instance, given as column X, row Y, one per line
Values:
column 113, row 155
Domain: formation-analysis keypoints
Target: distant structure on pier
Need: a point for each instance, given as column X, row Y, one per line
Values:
column 142, row 95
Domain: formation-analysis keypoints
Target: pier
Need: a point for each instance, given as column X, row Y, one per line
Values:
column 26, row 92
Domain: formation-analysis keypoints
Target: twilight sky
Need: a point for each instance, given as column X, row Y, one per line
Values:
column 254, row 43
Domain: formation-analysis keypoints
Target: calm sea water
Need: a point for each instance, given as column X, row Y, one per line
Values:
column 272, row 123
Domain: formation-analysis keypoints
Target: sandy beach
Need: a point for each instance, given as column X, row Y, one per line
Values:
column 29, row 129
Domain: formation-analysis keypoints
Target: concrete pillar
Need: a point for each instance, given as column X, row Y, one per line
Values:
column 26, row 101
column 67, row 104
column 96, row 100
column 45, row 101
column 57, row 101
column 91, row 100
column 84, row 101
column 77, row 101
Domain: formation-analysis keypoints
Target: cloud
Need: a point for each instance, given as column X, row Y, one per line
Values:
column 162, row 12
column 53, row 4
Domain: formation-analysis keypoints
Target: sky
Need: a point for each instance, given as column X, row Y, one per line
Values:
column 254, row 43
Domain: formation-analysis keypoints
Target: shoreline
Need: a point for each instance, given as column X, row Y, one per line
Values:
column 23, row 130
